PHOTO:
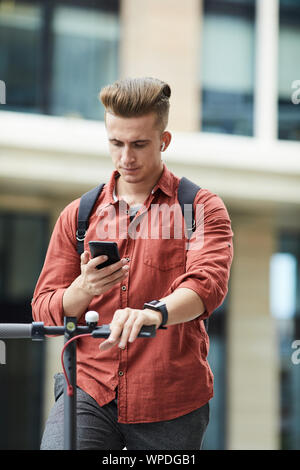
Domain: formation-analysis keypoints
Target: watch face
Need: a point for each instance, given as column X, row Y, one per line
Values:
column 156, row 303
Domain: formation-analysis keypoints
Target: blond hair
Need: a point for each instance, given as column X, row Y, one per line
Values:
column 133, row 97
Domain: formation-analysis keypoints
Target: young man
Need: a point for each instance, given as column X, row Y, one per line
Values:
column 137, row 393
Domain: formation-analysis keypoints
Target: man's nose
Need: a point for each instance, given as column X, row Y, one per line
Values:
column 127, row 154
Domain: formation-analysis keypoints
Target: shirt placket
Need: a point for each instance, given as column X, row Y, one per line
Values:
column 124, row 298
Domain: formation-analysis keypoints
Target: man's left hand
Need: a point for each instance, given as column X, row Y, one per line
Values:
column 126, row 325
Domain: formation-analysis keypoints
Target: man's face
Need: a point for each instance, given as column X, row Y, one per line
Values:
column 134, row 145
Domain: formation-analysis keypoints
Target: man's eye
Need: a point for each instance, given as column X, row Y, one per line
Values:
column 139, row 146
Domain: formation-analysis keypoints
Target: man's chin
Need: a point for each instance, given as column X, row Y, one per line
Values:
column 131, row 176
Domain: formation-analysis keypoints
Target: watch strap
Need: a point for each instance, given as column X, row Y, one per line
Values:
column 162, row 308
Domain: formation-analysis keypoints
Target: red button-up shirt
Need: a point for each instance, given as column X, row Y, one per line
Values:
column 167, row 376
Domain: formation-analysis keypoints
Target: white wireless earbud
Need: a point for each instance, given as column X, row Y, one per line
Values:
column 162, row 148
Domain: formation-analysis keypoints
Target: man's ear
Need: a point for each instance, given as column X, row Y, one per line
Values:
column 165, row 140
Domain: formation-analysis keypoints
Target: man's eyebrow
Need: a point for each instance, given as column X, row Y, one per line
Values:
column 113, row 139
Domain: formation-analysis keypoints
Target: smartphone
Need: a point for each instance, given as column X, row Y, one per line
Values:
column 110, row 249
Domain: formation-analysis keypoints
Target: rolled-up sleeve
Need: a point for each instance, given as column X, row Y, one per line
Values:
column 61, row 267
column 209, row 254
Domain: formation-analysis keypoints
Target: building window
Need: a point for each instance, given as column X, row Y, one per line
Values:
column 289, row 71
column 227, row 66
column 56, row 55
column 20, row 54
column 23, row 244
column 285, row 307
column 214, row 438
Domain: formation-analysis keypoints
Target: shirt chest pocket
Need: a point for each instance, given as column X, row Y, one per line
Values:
column 165, row 254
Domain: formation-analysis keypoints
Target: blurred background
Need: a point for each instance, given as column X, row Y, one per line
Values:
column 233, row 67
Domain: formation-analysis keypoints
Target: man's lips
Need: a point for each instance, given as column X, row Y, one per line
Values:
column 130, row 169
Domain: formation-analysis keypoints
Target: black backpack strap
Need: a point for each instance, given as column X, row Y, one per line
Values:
column 186, row 194
column 86, row 205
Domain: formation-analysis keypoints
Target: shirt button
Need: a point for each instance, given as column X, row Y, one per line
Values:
column 123, row 287
column 121, row 373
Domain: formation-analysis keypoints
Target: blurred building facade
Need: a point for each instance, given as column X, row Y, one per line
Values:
column 234, row 70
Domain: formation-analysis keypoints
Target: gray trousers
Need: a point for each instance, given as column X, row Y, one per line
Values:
column 98, row 427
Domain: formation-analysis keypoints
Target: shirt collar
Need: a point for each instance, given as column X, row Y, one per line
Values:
column 165, row 182
column 111, row 187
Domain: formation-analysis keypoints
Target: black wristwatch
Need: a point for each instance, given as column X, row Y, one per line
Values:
column 162, row 308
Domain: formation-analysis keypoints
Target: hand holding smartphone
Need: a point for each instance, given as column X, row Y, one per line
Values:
column 110, row 249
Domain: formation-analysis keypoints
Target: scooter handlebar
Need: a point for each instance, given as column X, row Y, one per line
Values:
column 36, row 330
column 15, row 330
column 104, row 331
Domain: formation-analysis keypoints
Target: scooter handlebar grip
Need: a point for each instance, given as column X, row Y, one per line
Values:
column 15, row 330
column 104, row 331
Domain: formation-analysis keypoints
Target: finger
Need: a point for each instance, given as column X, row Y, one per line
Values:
column 107, row 344
column 97, row 260
column 116, row 327
column 113, row 338
column 126, row 333
column 101, row 279
column 105, row 288
column 116, row 276
column 103, row 272
column 84, row 258
column 101, row 288
column 136, row 328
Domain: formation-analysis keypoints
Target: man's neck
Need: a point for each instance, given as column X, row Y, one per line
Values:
column 135, row 193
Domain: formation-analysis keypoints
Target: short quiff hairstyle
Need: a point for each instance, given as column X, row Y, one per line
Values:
column 133, row 97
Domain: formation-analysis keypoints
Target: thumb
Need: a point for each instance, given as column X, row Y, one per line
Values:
column 85, row 257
